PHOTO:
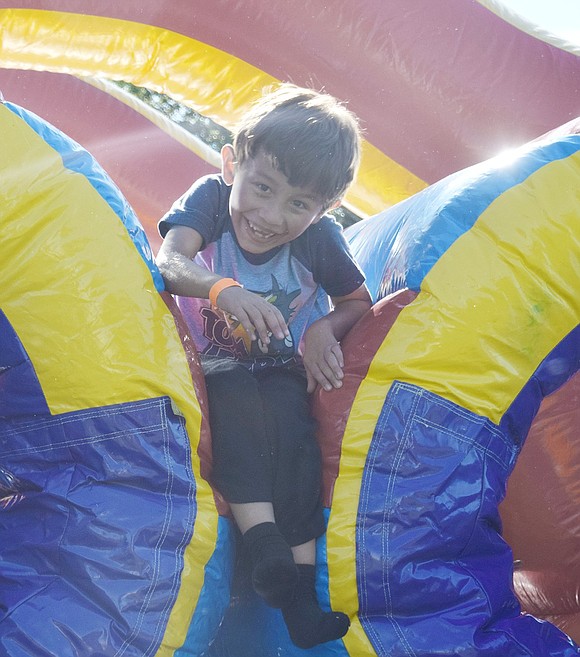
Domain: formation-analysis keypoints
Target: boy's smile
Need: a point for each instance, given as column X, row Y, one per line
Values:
column 266, row 210
column 260, row 234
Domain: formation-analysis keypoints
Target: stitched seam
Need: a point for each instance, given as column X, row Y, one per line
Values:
column 389, row 507
column 365, row 488
column 179, row 552
column 157, row 549
column 68, row 418
column 469, row 417
column 462, row 439
column 387, row 512
column 363, row 507
column 83, row 441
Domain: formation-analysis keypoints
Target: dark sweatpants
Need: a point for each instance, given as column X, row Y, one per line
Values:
column 264, row 443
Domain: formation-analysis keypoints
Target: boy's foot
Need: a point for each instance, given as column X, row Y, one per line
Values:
column 274, row 573
column 308, row 625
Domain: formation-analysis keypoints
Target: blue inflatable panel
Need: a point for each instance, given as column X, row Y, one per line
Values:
column 215, row 594
column 399, row 247
column 434, row 477
column 20, row 391
column 82, row 484
column 555, row 369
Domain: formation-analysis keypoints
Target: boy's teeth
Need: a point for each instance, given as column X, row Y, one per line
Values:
column 258, row 231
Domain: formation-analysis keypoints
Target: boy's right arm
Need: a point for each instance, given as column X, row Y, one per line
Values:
column 184, row 277
column 175, row 261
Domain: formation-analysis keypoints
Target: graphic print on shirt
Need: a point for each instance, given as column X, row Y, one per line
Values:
column 228, row 337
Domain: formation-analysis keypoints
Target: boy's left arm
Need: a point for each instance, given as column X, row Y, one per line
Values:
column 322, row 357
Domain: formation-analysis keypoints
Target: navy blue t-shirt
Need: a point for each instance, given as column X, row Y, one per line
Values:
column 297, row 277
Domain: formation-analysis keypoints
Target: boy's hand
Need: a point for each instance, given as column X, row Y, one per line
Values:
column 258, row 317
column 323, row 359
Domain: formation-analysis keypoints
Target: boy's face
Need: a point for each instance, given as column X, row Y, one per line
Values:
column 266, row 210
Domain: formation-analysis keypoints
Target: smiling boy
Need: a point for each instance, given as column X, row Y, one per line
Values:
column 283, row 291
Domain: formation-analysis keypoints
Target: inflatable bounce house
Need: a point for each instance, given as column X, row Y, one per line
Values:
column 451, row 454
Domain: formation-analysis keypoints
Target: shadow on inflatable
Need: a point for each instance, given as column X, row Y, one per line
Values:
column 112, row 542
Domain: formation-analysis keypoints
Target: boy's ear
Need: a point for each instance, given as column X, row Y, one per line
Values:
column 228, row 164
column 328, row 209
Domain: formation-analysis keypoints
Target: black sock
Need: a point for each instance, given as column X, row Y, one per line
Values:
column 308, row 625
column 274, row 573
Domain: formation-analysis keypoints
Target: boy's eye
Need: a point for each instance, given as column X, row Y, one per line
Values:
column 262, row 187
column 300, row 205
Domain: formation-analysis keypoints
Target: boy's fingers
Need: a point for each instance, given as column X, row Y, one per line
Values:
column 336, row 351
column 321, row 379
column 258, row 317
column 325, row 376
column 258, row 325
column 333, row 364
column 275, row 322
column 265, row 317
column 246, row 322
column 311, row 382
column 334, row 375
column 266, row 325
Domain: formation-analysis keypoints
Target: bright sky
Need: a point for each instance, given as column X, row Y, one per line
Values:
column 561, row 17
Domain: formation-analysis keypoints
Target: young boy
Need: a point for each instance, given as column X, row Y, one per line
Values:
column 256, row 242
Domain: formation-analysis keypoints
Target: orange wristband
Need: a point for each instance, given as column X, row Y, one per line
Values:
column 220, row 285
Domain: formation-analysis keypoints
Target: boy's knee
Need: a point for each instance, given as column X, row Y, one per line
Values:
column 224, row 378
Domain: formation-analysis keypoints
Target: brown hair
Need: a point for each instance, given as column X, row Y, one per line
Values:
column 313, row 139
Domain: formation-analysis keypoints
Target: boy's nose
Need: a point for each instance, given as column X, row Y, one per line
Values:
column 271, row 214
